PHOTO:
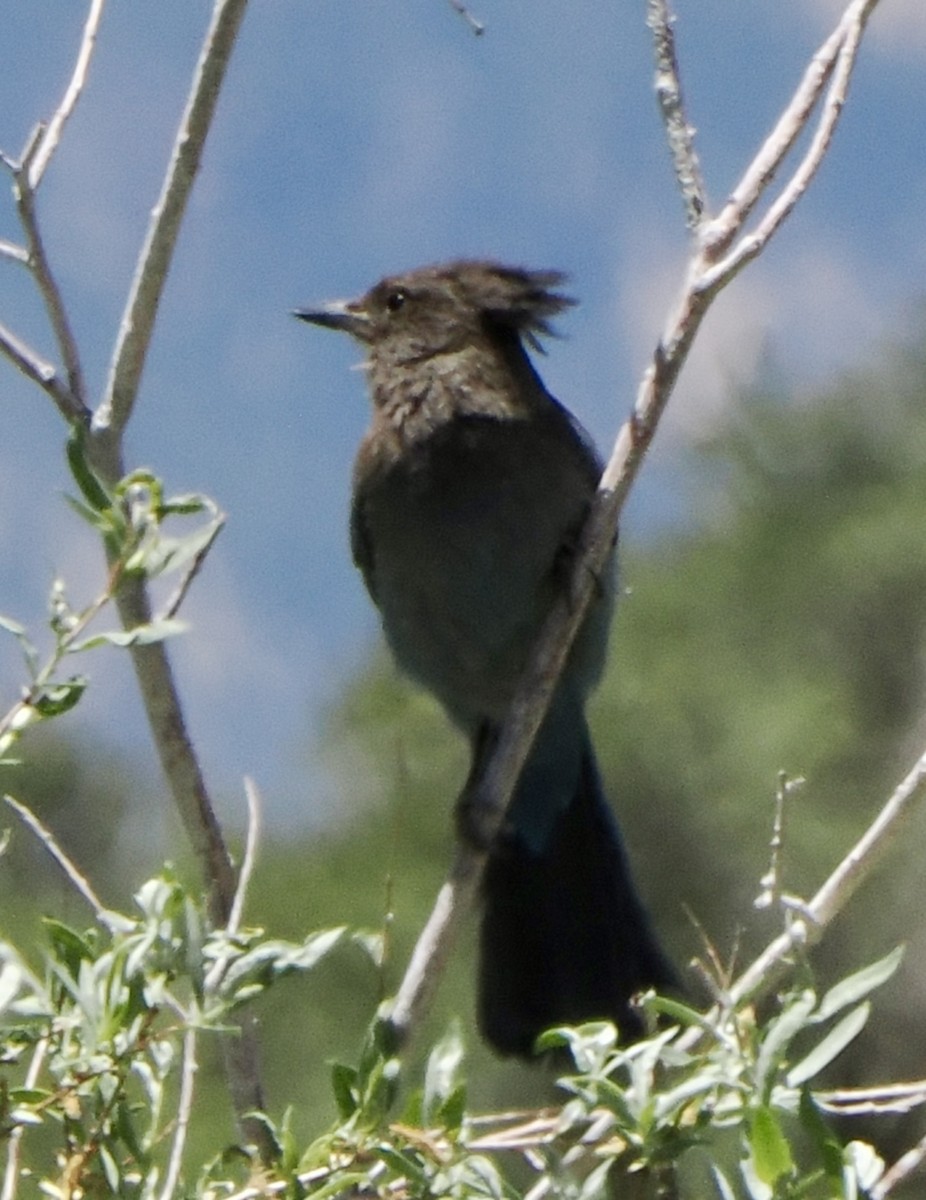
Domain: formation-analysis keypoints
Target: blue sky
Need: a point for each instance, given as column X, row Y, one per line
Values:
column 359, row 137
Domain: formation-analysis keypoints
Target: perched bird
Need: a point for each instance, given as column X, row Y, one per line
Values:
column 470, row 487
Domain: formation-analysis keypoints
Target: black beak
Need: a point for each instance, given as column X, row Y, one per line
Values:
column 346, row 315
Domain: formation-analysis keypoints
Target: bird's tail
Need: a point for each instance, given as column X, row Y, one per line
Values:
column 565, row 937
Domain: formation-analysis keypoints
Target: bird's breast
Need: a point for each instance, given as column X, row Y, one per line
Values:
column 462, row 538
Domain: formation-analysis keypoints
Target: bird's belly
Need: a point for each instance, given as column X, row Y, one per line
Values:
column 466, row 566
column 460, row 614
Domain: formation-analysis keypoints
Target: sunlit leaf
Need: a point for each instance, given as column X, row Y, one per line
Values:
column 830, row 1046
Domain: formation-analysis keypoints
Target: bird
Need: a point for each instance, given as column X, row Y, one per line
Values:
column 470, row 488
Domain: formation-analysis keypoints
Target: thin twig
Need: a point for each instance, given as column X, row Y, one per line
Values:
column 476, row 26
column 841, row 67
column 76, row 877
column 842, row 883
column 42, row 372
column 249, row 860
column 719, row 234
column 679, row 132
column 48, row 288
column 51, row 135
column 14, row 1154
column 874, row 1101
column 14, row 251
column 901, row 1170
column 217, row 970
column 184, row 1111
column 454, row 901
column 154, row 262
column 173, row 604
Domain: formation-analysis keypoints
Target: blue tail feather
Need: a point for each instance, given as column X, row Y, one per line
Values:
column 565, row 937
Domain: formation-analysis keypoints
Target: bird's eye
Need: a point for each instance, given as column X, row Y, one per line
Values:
column 396, row 299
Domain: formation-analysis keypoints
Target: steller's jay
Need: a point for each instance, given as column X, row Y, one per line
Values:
column 470, row 487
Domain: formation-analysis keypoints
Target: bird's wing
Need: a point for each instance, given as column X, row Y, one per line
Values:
column 361, row 545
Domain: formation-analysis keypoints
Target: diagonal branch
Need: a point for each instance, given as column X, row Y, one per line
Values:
column 47, row 285
column 492, row 790
column 840, row 68
column 154, row 262
column 679, row 132
column 50, row 135
column 841, row 46
column 42, row 372
column 841, row 885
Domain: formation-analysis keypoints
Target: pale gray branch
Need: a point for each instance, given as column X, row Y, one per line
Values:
column 154, row 262
column 840, row 55
column 492, row 789
column 832, row 897
column 51, row 134
column 184, row 1112
column 77, row 879
column 48, row 287
column 14, row 251
column 907, row 1165
column 841, row 46
column 11, row 1175
column 42, row 372
column 679, row 132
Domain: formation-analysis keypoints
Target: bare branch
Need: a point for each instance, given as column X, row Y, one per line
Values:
column 184, row 1112
column 51, row 135
column 14, row 1154
column 679, row 132
column 874, row 1100
column 79, row 881
column 900, row 1171
column 173, row 604
column 492, row 788
column 250, row 857
column 154, row 262
column 840, row 47
column 44, row 373
column 832, row 897
column 48, row 287
column 11, row 250
column 454, row 901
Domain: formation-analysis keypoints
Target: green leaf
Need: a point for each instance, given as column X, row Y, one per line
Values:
column 769, row 1150
column 157, row 556
column 125, row 1128
column 183, row 506
column 141, row 635
column 723, row 1185
column 11, row 978
column 91, row 487
column 833, row 1044
column 595, row 1185
column 24, row 1095
column 69, row 948
column 344, row 1086
column 866, row 1164
column 828, row 1146
column 855, row 987
column 779, row 1035
column 53, row 699
column 29, row 652
column 110, row 1169
column 442, row 1074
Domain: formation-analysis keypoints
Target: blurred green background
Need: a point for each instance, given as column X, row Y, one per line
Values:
column 783, row 630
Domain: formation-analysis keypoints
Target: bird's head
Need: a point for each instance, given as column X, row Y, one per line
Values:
column 443, row 309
